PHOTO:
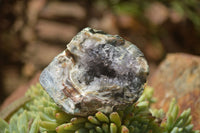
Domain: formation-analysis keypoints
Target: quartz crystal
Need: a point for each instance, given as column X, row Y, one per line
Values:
column 96, row 72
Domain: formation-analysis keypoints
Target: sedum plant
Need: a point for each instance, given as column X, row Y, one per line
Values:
column 40, row 114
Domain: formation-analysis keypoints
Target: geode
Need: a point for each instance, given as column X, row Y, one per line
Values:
column 97, row 72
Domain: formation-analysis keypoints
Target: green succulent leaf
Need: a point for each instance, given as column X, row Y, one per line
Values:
column 3, row 125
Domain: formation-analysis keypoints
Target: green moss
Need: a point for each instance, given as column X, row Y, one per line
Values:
column 41, row 114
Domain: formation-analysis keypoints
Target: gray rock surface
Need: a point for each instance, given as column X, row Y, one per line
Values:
column 97, row 72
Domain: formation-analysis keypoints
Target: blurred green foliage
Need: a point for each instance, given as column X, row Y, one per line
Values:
column 189, row 9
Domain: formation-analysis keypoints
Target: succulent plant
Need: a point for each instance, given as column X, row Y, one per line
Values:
column 41, row 114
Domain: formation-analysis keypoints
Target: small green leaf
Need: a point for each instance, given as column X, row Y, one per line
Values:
column 35, row 126
column 113, row 128
column 102, row 117
column 50, row 126
column 70, row 126
column 114, row 117
column 78, row 120
column 98, row 129
column 93, row 120
column 105, row 128
column 3, row 125
column 124, row 129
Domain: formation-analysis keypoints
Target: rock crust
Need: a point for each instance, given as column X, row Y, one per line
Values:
column 97, row 72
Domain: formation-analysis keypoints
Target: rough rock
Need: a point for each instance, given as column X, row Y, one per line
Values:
column 97, row 72
column 179, row 76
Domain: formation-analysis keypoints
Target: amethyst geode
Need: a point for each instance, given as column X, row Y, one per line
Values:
column 97, row 72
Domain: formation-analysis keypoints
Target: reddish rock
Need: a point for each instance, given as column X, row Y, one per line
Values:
column 179, row 76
